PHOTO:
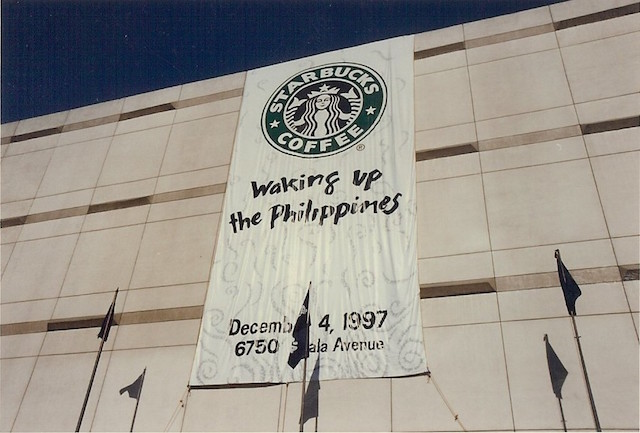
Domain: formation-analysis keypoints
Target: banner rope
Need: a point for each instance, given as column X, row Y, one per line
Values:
column 181, row 404
column 456, row 417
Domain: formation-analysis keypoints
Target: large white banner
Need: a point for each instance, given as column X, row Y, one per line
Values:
column 321, row 194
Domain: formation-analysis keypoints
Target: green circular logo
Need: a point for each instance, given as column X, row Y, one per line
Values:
column 324, row 110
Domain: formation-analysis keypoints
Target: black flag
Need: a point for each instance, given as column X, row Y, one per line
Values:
column 556, row 370
column 570, row 288
column 311, row 396
column 135, row 388
column 300, row 335
column 108, row 320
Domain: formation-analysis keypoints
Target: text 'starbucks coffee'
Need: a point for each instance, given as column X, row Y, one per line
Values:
column 324, row 110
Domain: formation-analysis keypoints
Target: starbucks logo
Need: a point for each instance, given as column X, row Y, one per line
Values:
column 324, row 110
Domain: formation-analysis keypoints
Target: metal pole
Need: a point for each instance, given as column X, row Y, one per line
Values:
column 564, row 422
column 138, row 399
column 586, row 376
column 304, row 381
column 86, row 397
column 103, row 337
column 306, row 355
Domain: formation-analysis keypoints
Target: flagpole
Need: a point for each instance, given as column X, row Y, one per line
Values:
column 107, row 321
column 570, row 295
column 564, row 422
column 138, row 399
column 304, row 369
column 86, row 397
column 586, row 375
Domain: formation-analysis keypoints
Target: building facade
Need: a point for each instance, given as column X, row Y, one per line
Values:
column 527, row 140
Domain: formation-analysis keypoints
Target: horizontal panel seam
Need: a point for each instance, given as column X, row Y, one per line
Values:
column 112, row 118
column 121, row 319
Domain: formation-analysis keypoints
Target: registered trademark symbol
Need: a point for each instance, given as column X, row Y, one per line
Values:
column 360, row 146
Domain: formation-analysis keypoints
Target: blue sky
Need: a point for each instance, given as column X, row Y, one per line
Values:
column 62, row 54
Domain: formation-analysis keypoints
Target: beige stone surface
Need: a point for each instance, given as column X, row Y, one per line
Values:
column 632, row 290
column 176, row 252
column 535, row 121
column 39, row 123
column 598, row 30
column 26, row 311
column 193, row 179
column 529, row 382
column 517, row 85
column 10, row 234
column 447, row 136
column 5, row 254
column 77, row 341
column 627, row 250
column 533, row 154
column 165, row 384
column 200, row 144
column 459, row 310
column 124, row 191
column 577, row 8
column 444, row 168
column 589, row 71
column 606, row 109
column 239, row 409
column 468, row 362
column 450, row 269
column 116, row 218
column 417, row 405
column 134, row 156
column 87, row 134
column 50, row 228
column 37, row 268
column 620, row 194
column 540, row 259
column 543, row 205
column 345, row 405
column 161, row 334
column 154, row 298
column 8, row 129
column 52, row 402
column 610, row 344
column 91, row 305
column 212, row 86
column 95, row 111
column 636, row 320
column 438, row 38
column 16, row 208
column 74, row 167
column 516, row 47
column 151, row 99
column 22, row 174
column 441, row 62
column 21, row 346
column 66, row 200
column 103, row 260
column 210, row 109
column 33, row 145
column 451, row 217
column 185, row 208
column 604, row 143
column 142, row 123
column 602, row 298
column 442, row 99
column 507, row 23
column 15, row 374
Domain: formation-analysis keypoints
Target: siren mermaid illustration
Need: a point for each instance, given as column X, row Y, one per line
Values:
column 322, row 113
